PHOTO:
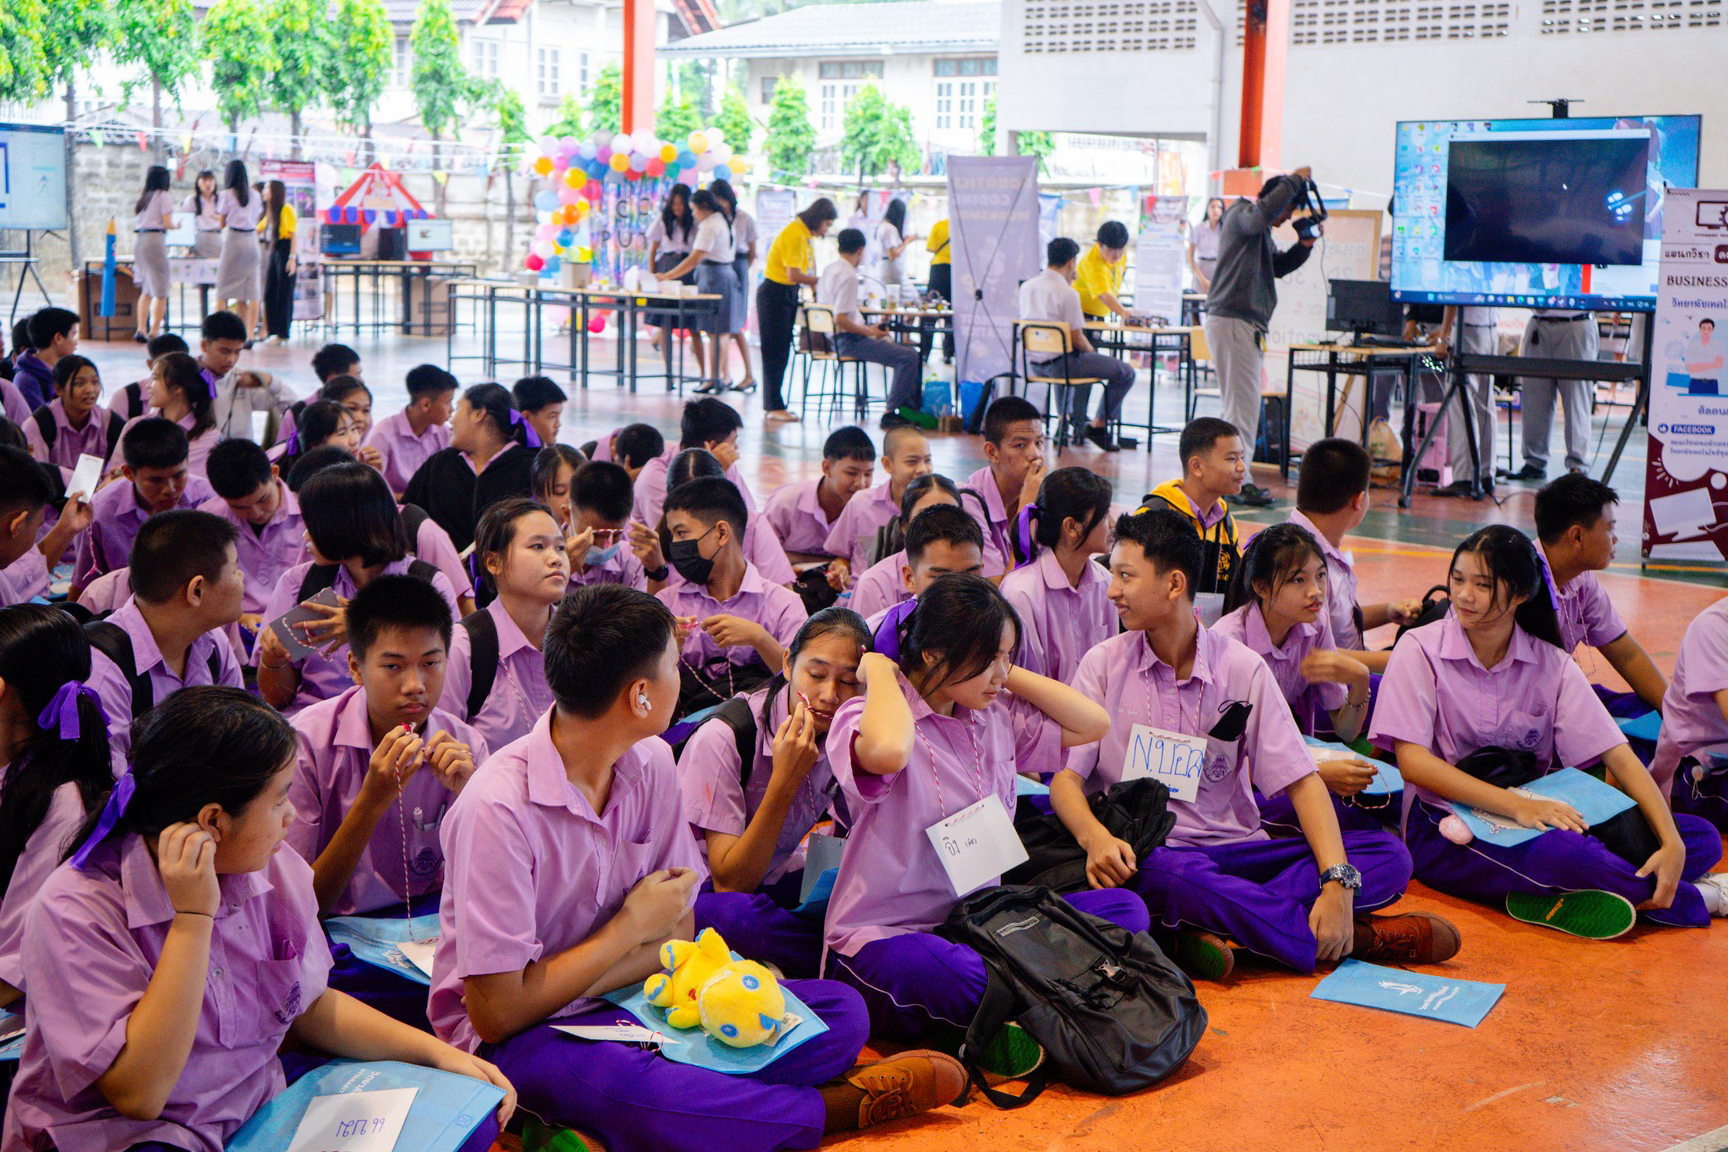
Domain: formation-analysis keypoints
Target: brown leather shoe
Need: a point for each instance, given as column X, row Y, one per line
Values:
column 906, row 1085
column 1410, row 938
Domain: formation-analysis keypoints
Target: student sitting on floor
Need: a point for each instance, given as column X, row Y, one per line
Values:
column 541, row 403
column 156, row 479
column 1575, row 527
column 754, row 817
column 53, row 333
column 948, row 541
column 25, row 550
column 1490, row 688
column 333, row 360
column 837, row 290
column 172, row 958
column 733, row 624
column 1060, row 594
column 804, row 514
column 1331, row 499
column 269, row 537
column 238, row 392
column 1050, row 296
column 555, row 466
column 181, row 391
column 1014, row 444
column 321, row 422
column 1214, row 464
column 597, row 528
column 407, row 439
column 130, row 402
column 1694, row 718
column 948, row 726
column 187, row 588
column 356, row 400
column 709, row 424
column 491, row 457
column 378, row 766
column 71, row 425
column 633, row 446
column 496, row 679
column 59, row 764
column 570, row 865
column 761, row 543
column 1299, row 900
column 855, row 534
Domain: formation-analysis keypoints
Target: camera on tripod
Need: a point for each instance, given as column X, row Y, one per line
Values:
column 1309, row 201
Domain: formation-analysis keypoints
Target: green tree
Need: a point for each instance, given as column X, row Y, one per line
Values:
column 791, row 136
column 1039, row 144
column 359, row 63
column 80, row 28
column 734, row 120
column 695, row 83
column 569, row 117
column 242, row 56
column 439, row 79
column 876, row 133
column 512, row 137
column 23, row 51
column 301, row 34
column 606, row 100
column 675, row 122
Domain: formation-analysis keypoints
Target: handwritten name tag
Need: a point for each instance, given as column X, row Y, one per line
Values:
column 354, row 1121
column 976, row 845
column 1174, row 760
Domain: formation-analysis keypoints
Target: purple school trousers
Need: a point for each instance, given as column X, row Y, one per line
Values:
column 1557, row 862
column 639, row 1101
column 761, row 925
column 918, row 983
column 1259, row 892
column 390, row 992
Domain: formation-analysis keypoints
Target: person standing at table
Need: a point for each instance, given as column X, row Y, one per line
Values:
column 1556, row 334
column 1051, row 297
column 791, row 262
column 278, row 228
column 239, row 209
column 154, row 217
column 1098, row 277
column 710, row 257
column 941, row 287
column 744, row 255
column 891, row 242
column 837, row 288
column 1203, row 244
column 200, row 203
column 668, row 243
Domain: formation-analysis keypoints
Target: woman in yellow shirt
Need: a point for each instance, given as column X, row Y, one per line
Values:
column 278, row 228
column 941, row 285
column 791, row 263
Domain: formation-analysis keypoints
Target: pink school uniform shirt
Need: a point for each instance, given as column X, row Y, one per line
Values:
column 1059, row 623
column 881, row 587
column 532, row 870
column 113, row 686
column 266, row 551
column 891, row 881
column 116, row 517
column 1341, row 587
column 650, row 490
column 1690, row 717
column 716, row 801
column 1247, row 625
column 775, row 607
column 1135, row 687
column 853, row 533
column 1586, row 614
column 69, row 442
column 995, row 519
column 334, row 748
column 433, row 545
column 402, row 450
column 42, row 853
column 197, row 447
column 1436, row 694
column 24, row 578
column 519, row 693
column 796, row 515
column 91, row 944
column 621, row 568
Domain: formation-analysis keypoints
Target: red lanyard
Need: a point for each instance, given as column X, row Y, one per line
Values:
column 935, row 772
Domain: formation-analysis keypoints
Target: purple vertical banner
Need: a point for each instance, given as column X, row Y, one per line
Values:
column 993, row 227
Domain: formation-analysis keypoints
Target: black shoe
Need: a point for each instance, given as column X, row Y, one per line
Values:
column 1252, row 496
column 894, row 420
column 1101, row 437
column 140, row 338
column 1528, row 472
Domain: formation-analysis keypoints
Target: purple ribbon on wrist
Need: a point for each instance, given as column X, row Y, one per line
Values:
column 533, row 436
column 1023, row 529
column 112, row 813
column 61, row 714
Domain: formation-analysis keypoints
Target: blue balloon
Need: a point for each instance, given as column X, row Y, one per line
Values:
column 686, row 158
column 566, row 238
column 546, row 200
column 722, row 172
column 553, row 264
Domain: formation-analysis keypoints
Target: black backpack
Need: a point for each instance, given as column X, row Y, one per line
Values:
column 51, row 431
column 1435, row 605
column 1136, row 812
column 112, row 641
column 1111, row 1011
column 321, row 576
column 736, row 715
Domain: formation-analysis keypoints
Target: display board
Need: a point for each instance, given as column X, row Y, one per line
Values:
column 32, row 177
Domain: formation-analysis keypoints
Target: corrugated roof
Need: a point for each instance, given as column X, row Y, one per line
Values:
column 856, row 30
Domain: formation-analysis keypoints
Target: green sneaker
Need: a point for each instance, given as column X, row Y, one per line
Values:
column 1203, row 955
column 1592, row 914
column 1012, row 1055
column 538, row 1137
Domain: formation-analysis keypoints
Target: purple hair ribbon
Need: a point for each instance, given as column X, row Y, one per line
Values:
column 887, row 639
column 1023, row 529
column 61, row 715
column 112, row 813
column 533, row 436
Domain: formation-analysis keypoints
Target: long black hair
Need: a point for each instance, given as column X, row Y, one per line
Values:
column 1272, row 557
column 1067, row 493
column 1513, row 562
column 180, row 371
column 155, row 180
column 494, row 535
column 828, row 622
column 318, row 421
column 203, row 745
column 722, row 190
column 957, row 623
column 198, row 191
column 42, row 648
column 349, row 513
column 494, row 400
column 234, row 179
column 681, row 224
column 895, row 214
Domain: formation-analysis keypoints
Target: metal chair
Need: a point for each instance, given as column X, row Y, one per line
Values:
column 1199, row 351
column 819, row 343
column 1048, row 339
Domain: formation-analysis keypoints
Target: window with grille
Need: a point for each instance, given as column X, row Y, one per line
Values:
column 1323, row 22
column 850, row 69
column 1075, row 26
column 486, row 58
column 944, row 105
column 403, row 68
column 547, row 77
column 1581, row 17
column 966, row 66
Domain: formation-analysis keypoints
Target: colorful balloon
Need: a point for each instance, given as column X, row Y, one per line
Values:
column 656, row 167
column 619, row 162
column 668, row 153
column 720, row 152
column 698, row 142
column 543, row 166
column 545, row 200
column 533, row 263
column 721, row 172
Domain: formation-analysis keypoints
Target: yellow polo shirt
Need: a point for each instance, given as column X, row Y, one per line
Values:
column 937, row 243
column 791, row 249
column 1093, row 278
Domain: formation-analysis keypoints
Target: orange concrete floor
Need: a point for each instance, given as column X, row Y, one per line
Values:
column 1595, row 1047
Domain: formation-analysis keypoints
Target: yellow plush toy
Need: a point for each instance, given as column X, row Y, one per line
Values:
column 738, row 1002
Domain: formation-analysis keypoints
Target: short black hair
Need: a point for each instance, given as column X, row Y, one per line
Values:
column 22, row 481
column 849, row 443
column 173, row 547
column 341, row 386
column 850, row 240
column 533, row 393
column 1706, row 320
column 1334, row 472
column 1199, row 435
column 602, row 637
column 955, row 631
column 47, row 323
column 333, row 360
column 707, row 420
column 711, row 500
column 154, row 442
column 1167, row 538
column 313, row 462
column 1060, row 251
column 1004, row 411
column 604, row 489
column 1571, row 499
column 637, row 444
column 693, row 464
column 21, row 335
column 349, row 512
column 395, row 602
column 223, row 326
column 941, row 523
column 429, row 380
column 160, row 346
column 237, row 468
column 547, row 462
column 13, row 436
column 1113, row 234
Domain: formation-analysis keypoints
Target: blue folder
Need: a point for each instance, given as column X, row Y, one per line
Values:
column 446, row 1110
column 1387, row 778
column 1425, row 994
column 374, row 939
column 1646, row 727
column 13, row 1047
column 1594, row 800
column 694, row 1046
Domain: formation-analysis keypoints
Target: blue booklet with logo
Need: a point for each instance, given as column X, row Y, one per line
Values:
column 445, row 1113
column 1426, row 994
column 378, row 940
column 1594, row 800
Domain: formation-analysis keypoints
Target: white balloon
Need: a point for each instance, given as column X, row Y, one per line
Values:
column 543, row 249
column 622, row 143
column 720, row 152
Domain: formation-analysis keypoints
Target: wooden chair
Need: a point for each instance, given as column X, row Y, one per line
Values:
column 1048, row 339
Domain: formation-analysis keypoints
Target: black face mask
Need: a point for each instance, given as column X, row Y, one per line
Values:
column 686, row 556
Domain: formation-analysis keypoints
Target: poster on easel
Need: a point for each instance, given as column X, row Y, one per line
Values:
column 1161, row 258
column 299, row 178
column 993, row 223
column 1686, row 470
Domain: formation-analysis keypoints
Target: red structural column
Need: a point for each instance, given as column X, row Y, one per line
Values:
column 638, row 110
column 1265, row 37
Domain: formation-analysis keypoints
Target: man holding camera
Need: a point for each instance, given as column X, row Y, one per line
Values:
column 1243, row 294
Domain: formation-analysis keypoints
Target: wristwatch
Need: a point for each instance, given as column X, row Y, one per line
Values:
column 1345, row 874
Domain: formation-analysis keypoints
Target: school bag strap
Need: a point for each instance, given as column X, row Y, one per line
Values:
column 1136, row 812
column 482, row 659
column 134, row 400
column 414, row 518
column 321, row 576
column 736, row 715
column 45, row 425
column 112, row 641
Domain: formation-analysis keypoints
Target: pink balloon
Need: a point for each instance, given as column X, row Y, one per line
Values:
column 568, row 195
column 598, row 324
column 603, row 154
